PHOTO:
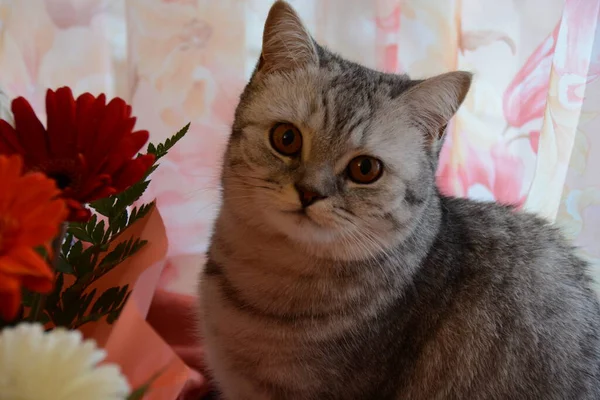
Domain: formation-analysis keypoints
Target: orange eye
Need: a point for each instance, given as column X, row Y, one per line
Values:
column 365, row 169
column 286, row 139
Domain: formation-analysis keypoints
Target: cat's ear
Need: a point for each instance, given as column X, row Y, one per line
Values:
column 287, row 45
column 434, row 101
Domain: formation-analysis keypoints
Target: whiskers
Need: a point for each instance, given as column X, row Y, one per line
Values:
column 249, row 194
column 359, row 237
column 246, row 181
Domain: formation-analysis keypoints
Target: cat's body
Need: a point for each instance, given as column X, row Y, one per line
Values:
column 377, row 287
column 521, row 325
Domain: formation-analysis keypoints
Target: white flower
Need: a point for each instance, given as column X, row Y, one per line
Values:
column 55, row 365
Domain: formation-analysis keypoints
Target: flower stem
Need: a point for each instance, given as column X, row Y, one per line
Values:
column 35, row 307
column 39, row 300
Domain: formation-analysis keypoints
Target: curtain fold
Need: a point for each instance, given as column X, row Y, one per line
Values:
column 528, row 133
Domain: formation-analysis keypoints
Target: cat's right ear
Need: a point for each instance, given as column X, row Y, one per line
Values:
column 436, row 100
column 287, row 45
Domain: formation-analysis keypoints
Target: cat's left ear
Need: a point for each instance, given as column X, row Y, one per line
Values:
column 287, row 45
column 434, row 101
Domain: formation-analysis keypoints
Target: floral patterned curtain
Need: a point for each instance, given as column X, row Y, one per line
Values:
column 528, row 133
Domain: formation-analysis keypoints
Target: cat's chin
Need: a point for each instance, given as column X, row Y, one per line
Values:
column 318, row 240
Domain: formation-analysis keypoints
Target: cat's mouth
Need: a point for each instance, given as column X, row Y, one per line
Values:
column 301, row 212
column 302, row 216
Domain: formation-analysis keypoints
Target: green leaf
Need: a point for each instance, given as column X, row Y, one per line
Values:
column 27, row 298
column 41, row 250
column 139, row 393
column 68, row 242
column 73, row 304
column 119, row 203
column 109, row 304
column 122, row 295
column 91, row 231
column 106, row 301
column 140, row 212
column 87, row 262
column 53, row 306
column 162, row 149
column 58, row 285
column 151, row 148
column 81, row 260
column 103, row 206
column 44, row 318
column 80, row 233
column 98, row 233
column 75, row 251
column 89, row 226
column 84, row 320
column 85, row 303
column 114, row 315
column 121, row 252
column 131, row 195
column 63, row 266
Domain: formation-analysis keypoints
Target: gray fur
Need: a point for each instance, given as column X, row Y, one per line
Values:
column 380, row 291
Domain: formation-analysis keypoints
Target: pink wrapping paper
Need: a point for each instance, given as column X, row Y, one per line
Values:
column 132, row 342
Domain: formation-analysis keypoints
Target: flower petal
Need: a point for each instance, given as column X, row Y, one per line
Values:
column 90, row 111
column 93, row 184
column 9, row 304
column 132, row 172
column 10, row 296
column 77, row 211
column 109, row 133
column 62, row 133
column 32, row 134
column 37, row 284
column 9, row 142
column 10, row 172
column 24, row 261
column 65, row 366
column 129, row 146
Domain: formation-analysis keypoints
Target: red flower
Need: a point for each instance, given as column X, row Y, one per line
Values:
column 30, row 216
column 87, row 146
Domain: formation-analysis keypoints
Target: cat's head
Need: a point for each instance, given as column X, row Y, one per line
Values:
column 337, row 157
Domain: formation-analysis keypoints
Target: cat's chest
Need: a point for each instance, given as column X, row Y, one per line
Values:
column 254, row 352
column 286, row 322
column 246, row 346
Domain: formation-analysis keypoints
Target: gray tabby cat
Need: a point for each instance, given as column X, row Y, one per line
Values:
column 338, row 271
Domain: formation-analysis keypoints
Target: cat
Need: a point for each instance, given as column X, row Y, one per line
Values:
column 336, row 269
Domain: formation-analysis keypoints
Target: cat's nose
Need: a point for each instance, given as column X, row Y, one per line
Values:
column 308, row 196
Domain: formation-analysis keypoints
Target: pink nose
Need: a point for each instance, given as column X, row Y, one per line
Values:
column 308, row 196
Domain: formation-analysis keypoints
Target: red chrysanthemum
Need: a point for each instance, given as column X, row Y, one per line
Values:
column 87, row 147
column 30, row 216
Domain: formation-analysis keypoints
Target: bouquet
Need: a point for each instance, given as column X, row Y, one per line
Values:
column 70, row 227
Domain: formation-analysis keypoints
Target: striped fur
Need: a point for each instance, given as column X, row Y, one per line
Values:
column 380, row 291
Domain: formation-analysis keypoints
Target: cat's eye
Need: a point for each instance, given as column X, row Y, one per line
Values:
column 286, row 139
column 364, row 169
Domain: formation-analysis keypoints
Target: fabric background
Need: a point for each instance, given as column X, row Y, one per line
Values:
column 528, row 133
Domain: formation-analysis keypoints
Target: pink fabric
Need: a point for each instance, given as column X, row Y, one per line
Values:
column 525, row 97
column 172, row 317
column 492, row 176
column 180, row 61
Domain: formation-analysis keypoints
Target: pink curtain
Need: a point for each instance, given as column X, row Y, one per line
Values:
column 528, row 133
